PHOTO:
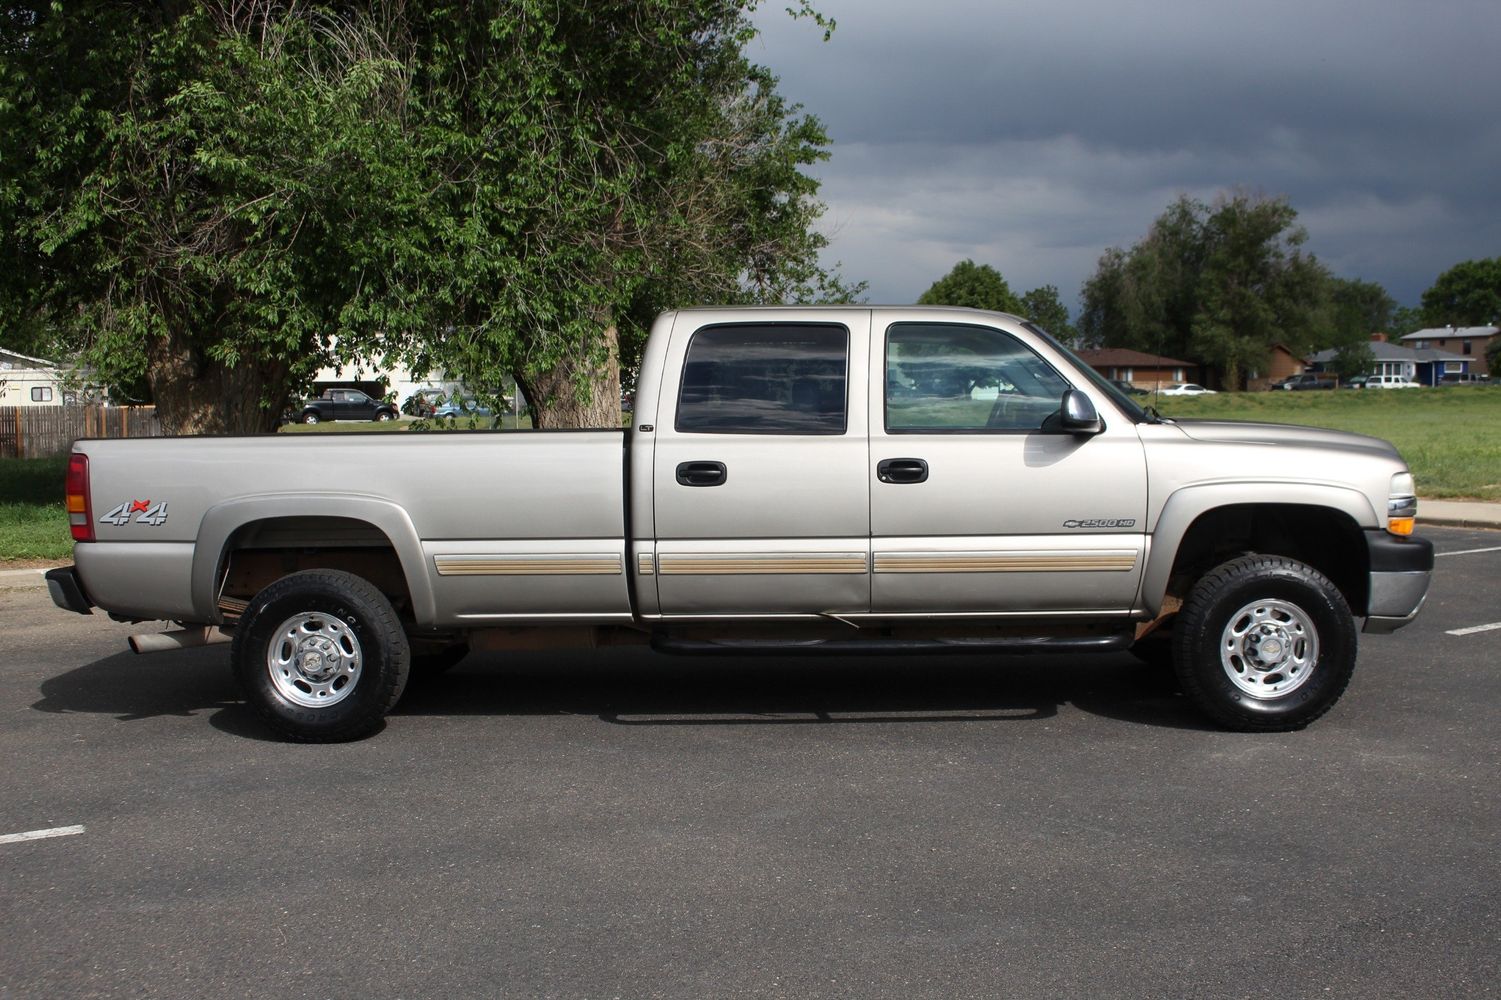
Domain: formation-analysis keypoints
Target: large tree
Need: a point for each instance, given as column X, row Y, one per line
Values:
column 978, row 286
column 1468, row 294
column 1219, row 283
column 222, row 195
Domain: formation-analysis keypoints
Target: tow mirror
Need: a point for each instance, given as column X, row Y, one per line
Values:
column 1077, row 415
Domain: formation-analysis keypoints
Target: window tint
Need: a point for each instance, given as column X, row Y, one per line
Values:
column 942, row 377
column 765, row 379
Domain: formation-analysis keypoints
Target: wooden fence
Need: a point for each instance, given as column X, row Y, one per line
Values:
column 42, row 431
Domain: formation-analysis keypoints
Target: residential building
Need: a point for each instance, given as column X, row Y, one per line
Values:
column 28, row 381
column 1426, row 365
column 1466, row 341
column 1145, row 371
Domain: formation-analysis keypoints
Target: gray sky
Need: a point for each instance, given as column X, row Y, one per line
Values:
column 1031, row 136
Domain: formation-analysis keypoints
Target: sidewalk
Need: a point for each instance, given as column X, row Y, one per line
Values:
column 1459, row 513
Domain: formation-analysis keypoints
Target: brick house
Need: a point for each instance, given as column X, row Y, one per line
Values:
column 1145, row 371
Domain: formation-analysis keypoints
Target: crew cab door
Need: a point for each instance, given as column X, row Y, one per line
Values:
column 978, row 504
column 761, row 500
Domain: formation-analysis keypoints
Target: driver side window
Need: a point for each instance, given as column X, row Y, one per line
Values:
column 944, row 377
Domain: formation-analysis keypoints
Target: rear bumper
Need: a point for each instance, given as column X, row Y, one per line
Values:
column 1401, row 569
column 67, row 590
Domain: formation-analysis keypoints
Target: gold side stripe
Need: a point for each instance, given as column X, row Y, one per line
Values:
column 1004, row 562
column 778, row 563
column 589, row 564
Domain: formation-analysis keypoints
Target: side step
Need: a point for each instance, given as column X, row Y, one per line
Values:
column 997, row 646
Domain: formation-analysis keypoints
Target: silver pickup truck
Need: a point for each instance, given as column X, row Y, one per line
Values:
column 796, row 480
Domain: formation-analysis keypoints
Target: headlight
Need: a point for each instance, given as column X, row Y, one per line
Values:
column 1402, row 504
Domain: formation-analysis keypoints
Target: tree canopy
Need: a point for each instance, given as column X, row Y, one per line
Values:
column 1218, row 283
column 1468, row 294
column 980, row 286
column 221, row 196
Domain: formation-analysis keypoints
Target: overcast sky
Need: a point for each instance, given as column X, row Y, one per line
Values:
column 1031, row 136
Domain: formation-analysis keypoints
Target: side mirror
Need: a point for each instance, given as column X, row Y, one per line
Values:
column 1077, row 415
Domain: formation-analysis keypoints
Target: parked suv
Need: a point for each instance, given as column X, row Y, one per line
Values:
column 1391, row 382
column 1308, row 380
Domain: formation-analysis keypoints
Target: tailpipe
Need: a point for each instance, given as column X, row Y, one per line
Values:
column 159, row 642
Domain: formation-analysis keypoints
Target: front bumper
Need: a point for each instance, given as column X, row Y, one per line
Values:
column 1401, row 569
column 67, row 590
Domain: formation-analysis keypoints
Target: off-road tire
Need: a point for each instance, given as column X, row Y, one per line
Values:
column 1302, row 616
column 325, row 610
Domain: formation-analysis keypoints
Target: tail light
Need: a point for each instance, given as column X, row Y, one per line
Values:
column 80, row 514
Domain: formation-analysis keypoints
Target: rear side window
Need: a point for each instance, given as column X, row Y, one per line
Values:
column 765, row 378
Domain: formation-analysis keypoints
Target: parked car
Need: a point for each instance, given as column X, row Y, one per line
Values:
column 469, row 407
column 1391, row 382
column 1307, row 380
column 1458, row 378
column 1356, row 381
column 1185, row 389
column 1128, row 388
column 346, row 404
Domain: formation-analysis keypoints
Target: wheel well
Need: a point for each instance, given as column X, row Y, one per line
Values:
column 1328, row 540
column 261, row 552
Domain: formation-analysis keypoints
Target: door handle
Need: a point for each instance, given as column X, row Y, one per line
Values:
column 902, row 470
column 702, row 474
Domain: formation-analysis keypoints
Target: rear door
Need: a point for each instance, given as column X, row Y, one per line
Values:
column 977, row 506
column 761, row 498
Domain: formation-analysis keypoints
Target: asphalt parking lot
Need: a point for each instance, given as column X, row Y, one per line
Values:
column 620, row 824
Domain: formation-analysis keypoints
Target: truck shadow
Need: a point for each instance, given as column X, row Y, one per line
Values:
column 640, row 688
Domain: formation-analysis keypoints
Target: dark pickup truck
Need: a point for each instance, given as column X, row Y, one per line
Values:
column 346, row 404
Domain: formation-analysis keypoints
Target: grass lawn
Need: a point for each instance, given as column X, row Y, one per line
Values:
column 33, row 523
column 1451, row 438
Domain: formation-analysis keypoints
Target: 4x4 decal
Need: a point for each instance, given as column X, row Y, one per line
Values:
column 144, row 512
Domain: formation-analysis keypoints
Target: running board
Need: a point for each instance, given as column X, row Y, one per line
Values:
column 1003, row 645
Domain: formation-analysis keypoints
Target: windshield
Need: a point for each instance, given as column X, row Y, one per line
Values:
column 1100, row 382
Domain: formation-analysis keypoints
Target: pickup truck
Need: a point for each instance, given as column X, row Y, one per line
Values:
column 795, row 480
column 346, row 404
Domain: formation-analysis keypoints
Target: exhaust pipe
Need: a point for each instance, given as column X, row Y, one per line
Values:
column 159, row 642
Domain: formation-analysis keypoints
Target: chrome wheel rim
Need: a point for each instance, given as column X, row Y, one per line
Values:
column 1269, row 649
column 314, row 660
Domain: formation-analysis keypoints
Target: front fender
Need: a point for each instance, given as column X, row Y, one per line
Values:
column 1187, row 505
column 223, row 520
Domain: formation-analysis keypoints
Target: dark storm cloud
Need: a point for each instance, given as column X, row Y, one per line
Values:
column 1033, row 137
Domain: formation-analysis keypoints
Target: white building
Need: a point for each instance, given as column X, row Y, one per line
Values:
column 28, row 381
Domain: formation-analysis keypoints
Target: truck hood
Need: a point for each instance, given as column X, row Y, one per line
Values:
column 1284, row 435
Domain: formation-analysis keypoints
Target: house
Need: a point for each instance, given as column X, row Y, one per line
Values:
column 1281, row 364
column 28, row 381
column 1145, row 371
column 1425, row 366
column 1466, row 341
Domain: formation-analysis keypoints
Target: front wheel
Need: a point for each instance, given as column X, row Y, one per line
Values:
column 310, row 417
column 321, row 655
column 385, row 415
column 1264, row 644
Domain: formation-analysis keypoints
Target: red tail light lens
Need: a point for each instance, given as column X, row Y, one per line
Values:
column 80, row 514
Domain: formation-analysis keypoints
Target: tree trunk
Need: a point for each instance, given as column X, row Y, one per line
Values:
column 554, row 395
column 196, row 394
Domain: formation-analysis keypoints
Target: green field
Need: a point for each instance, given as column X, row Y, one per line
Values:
column 1450, row 437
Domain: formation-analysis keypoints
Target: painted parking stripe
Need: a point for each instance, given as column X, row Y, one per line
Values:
column 1467, row 552
column 56, row 831
column 1473, row 629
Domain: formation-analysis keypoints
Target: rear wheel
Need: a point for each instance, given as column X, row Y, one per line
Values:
column 321, row 656
column 1264, row 643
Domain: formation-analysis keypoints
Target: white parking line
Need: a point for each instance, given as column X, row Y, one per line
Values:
column 1467, row 552
column 1493, row 626
column 56, row 831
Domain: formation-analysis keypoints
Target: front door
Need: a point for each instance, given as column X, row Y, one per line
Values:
column 977, row 505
